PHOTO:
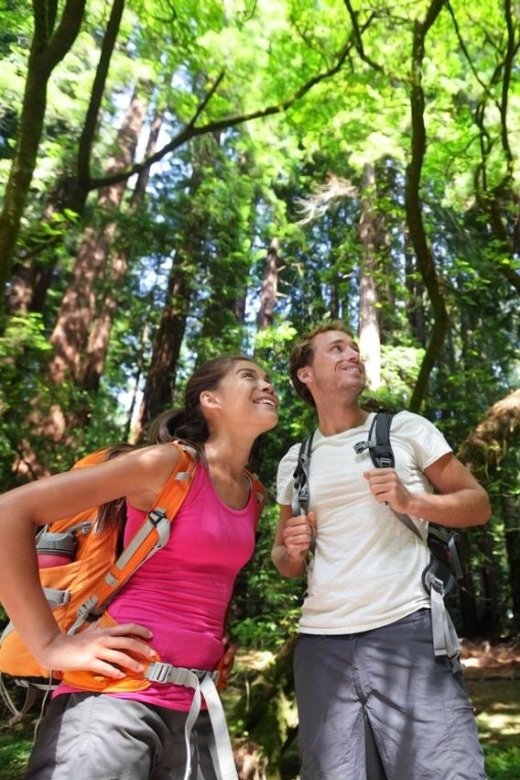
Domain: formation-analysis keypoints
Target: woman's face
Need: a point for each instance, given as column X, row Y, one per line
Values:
column 247, row 396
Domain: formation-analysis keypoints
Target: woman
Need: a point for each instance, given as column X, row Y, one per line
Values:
column 175, row 604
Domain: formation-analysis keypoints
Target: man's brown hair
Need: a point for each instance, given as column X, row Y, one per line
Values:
column 302, row 354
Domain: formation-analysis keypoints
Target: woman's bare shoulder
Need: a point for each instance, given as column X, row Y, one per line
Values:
column 154, row 465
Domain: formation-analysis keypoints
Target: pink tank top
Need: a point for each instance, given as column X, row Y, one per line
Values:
column 183, row 591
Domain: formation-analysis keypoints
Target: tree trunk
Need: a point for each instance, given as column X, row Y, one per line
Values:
column 158, row 393
column 489, row 618
column 94, row 361
column 78, row 309
column 414, row 304
column 370, row 228
column 34, row 277
column 269, row 287
column 422, row 248
column 485, row 447
column 159, row 388
column 482, row 453
column 498, row 199
column 49, row 46
column 512, row 533
column 469, row 619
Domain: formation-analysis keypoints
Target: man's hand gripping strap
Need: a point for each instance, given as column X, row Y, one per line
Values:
column 301, row 496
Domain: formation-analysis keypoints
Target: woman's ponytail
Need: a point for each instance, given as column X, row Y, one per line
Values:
column 186, row 424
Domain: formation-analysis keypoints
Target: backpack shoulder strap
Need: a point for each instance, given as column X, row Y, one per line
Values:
column 382, row 454
column 378, row 444
column 380, row 450
column 152, row 534
column 300, row 500
column 260, row 493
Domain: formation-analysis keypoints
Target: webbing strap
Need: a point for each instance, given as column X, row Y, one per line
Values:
column 445, row 639
column 300, row 498
column 408, row 522
column 16, row 712
column 154, row 531
column 203, row 684
column 56, row 597
column 378, row 442
column 155, row 527
column 220, row 730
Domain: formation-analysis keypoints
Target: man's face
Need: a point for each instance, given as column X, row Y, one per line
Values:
column 336, row 366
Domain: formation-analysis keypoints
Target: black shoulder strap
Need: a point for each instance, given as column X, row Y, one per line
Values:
column 378, row 443
column 382, row 454
column 300, row 501
column 380, row 451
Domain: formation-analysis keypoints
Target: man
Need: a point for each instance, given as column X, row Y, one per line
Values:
column 372, row 697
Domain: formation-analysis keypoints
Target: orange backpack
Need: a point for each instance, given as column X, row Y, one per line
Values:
column 79, row 590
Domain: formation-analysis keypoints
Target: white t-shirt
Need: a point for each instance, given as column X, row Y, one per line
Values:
column 367, row 565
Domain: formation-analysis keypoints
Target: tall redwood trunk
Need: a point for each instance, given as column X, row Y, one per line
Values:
column 370, row 233
column 269, row 286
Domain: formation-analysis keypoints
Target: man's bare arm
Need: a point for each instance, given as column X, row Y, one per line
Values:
column 460, row 501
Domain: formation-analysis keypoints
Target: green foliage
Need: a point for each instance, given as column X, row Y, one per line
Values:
column 23, row 348
column 502, row 764
column 14, row 752
column 265, row 613
column 399, row 367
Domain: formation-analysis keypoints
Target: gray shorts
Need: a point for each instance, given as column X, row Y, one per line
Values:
column 87, row 736
column 380, row 699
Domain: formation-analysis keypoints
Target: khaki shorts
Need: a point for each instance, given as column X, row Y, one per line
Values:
column 86, row 736
column 380, row 699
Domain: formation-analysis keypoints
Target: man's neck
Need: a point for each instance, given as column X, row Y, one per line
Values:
column 339, row 419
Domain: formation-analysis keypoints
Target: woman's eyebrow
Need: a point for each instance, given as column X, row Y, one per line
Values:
column 255, row 370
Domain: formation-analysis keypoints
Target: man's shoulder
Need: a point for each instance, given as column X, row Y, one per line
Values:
column 422, row 435
column 406, row 419
column 293, row 452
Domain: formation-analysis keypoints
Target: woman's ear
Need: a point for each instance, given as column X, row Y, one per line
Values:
column 208, row 400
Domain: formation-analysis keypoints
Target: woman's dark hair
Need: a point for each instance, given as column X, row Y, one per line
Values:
column 188, row 423
column 113, row 513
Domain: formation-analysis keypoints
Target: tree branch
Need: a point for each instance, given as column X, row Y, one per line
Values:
column 60, row 42
column 191, row 131
column 358, row 37
column 98, row 87
column 413, row 207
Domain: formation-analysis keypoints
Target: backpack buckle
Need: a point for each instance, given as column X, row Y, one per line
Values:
column 155, row 516
column 163, row 673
